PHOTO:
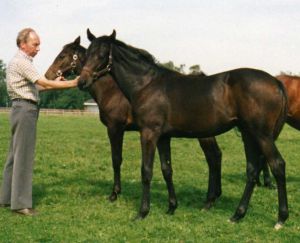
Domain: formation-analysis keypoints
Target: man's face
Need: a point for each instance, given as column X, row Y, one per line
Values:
column 32, row 46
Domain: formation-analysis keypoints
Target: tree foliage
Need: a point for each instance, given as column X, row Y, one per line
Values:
column 170, row 65
column 195, row 69
column 64, row 99
column 58, row 99
column 71, row 98
column 4, row 99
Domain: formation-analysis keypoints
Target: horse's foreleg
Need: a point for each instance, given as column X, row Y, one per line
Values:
column 213, row 157
column 148, row 143
column 164, row 150
column 116, row 143
column 252, row 156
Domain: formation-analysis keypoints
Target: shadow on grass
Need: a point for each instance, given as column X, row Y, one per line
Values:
column 188, row 196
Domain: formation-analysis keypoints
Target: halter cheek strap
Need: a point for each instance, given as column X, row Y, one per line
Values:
column 107, row 69
column 73, row 66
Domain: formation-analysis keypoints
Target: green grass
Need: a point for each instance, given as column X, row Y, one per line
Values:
column 73, row 178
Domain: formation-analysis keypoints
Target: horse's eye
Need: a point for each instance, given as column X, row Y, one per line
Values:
column 62, row 56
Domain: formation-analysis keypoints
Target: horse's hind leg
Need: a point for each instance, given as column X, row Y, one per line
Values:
column 164, row 150
column 266, row 174
column 277, row 165
column 268, row 149
column 116, row 142
column 252, row 155
column 213, row 157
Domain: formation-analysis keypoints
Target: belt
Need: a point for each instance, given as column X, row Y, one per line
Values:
column 26, row 100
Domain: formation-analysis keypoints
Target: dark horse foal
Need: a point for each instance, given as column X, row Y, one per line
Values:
column 116, row 115
column 168, row 104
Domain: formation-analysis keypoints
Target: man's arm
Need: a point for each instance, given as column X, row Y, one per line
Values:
column 44, row 84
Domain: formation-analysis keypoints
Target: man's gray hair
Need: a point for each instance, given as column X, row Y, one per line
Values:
column 23, row 35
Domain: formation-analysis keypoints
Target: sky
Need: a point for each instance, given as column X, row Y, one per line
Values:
column 218, row 35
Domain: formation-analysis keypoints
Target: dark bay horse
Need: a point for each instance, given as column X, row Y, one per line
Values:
column 116, row 115
column 168, row 104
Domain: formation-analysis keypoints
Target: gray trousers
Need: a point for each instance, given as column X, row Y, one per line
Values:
column 16, row 188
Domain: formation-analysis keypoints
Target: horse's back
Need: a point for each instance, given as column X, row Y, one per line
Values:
column 215, row 103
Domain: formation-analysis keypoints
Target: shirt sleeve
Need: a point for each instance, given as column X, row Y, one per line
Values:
column 29, row 72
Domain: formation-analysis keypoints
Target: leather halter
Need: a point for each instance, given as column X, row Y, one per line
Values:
column 107, row 69
column 72, row 65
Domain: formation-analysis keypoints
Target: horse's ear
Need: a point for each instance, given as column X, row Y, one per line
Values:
column 77, row 41
column 90, row 36
column 113, row 35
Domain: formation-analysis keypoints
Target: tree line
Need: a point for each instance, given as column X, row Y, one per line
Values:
column 70, row 98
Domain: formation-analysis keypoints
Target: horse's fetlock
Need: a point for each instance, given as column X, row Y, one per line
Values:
column 241, row 211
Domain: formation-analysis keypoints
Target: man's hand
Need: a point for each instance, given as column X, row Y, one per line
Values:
column 60, row 78
column 56, row 84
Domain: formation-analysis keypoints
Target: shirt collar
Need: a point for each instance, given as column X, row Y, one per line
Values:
column 23, row 54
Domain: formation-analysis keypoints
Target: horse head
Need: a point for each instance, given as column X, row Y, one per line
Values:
column 98, row 59
column 69, row 61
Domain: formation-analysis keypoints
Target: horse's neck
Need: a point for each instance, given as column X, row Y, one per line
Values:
column 104, row 88
column 132, row 76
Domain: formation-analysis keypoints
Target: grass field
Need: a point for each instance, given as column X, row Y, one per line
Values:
column 73, row 177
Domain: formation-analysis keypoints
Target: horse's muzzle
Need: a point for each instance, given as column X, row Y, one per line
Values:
column 82, row 84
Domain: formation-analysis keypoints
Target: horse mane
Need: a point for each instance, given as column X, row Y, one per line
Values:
column 145, row 56
column 140, row 53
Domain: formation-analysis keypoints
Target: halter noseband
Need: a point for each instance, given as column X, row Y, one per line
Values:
column 73, row 66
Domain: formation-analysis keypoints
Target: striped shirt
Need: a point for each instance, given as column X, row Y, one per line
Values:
column 21, row 76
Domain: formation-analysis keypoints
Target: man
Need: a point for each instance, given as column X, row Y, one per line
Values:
column 23, row 85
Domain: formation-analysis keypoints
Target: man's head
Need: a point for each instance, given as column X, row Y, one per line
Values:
column 28, row 41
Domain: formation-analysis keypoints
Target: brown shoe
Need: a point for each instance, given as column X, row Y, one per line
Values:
column 26, row 212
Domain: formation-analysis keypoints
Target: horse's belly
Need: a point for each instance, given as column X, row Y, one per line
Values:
column 200, row 126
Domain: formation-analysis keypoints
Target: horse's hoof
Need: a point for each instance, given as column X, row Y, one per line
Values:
column 278, row 226
column 113, row 197
column 235, row 219
column 270, row 186
column 170, row 211
column 231, row 221
column 141, row 216
column 138, row 218
column 207, row 206
column 172, row 208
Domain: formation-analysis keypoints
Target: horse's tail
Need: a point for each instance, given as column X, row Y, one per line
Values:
column 284, row 109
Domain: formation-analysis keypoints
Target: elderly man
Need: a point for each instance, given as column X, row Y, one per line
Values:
column 23, row 85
